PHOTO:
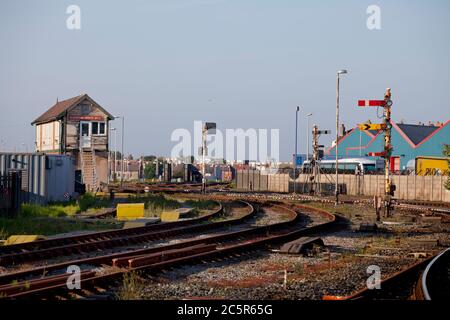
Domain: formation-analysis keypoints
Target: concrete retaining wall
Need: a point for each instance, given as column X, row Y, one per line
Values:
column 428, row 188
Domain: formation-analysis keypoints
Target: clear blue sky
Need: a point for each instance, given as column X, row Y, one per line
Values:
column 240, row 63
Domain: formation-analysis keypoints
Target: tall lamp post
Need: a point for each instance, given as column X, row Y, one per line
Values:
column 121, row 162
column 307, row 135
column 115, row 154
column 208, row 128
column 336, row 191
column 294, row 162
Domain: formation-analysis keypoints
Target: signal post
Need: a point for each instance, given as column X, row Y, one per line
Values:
column 317, row 155
column 386, row 126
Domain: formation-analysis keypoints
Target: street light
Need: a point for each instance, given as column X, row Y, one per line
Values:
column 307, row 135
column 208, row 128
column 115, row 152
column 123, row 133
column 294, row 162
column 336, row 191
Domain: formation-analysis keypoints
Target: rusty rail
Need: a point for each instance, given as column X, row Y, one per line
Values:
column 435, row 282
column 202, row 252
column 105, row 259
column 106, row 239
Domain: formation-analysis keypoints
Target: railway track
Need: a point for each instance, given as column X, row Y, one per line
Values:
column 400, row 285
column 151, row 260
column 439, row 208
column 415, row 205
column 101, row 272
column 434, row 283
column 81, row 243
column 43, row 249
column 428, row 279
column 166, row 187
column 105, row 258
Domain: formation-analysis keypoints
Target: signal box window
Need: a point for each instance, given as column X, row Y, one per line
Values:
column 98, row 128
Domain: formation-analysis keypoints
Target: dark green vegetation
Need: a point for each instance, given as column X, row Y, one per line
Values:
column 155, row 200
column 48, row 225
column 60, row 217
column 55, row 218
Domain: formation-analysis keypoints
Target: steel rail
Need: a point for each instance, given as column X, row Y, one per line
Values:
column 412, row 271
column 108, row 243
column 104, row 259
column 427, row 274
column 54, row 242
column 203, row 256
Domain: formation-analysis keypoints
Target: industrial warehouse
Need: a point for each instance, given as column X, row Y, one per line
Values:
column 232, row 159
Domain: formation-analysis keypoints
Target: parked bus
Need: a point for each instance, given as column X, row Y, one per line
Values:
column 348, row 165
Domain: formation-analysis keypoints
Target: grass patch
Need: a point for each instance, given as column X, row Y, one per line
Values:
column 88, row 201
column 155, row 204
column 49, row 219
column 155, row 200
column 132, row 287
column 49, row 226
column 34, row 210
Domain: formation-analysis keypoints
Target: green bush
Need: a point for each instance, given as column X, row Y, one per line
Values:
column 88, row 201
column 34, row 210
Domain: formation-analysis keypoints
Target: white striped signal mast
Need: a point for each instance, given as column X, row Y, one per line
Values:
column 386, row 126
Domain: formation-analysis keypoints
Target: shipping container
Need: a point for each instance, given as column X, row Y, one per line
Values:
column 45, row 177
column 432, row 166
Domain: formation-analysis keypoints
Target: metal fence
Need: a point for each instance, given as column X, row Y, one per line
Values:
column 10, row 194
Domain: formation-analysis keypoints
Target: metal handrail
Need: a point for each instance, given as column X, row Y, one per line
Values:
column 94, row 165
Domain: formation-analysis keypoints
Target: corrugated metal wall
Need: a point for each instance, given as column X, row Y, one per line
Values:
column 60, row 177
column 33, row 172
column 44, row 177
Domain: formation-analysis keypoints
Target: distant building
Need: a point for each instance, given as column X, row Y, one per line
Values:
column 79, row 127
column 132, row 169
column 409, row 141
column 223, row 172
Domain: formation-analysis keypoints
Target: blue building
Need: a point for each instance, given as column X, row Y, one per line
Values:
column 408, row 140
